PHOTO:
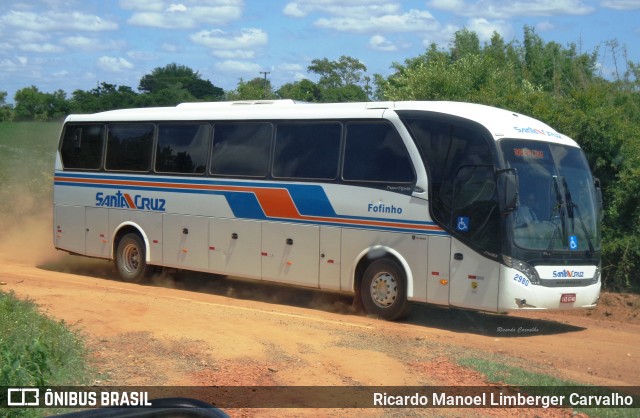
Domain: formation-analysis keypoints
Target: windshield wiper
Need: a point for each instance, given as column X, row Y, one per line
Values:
column 558, row 208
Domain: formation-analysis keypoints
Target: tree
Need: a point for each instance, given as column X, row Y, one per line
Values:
column 104, row 97
column 255, row 89
column 30, row 104
column 342, row 80
column 345, row 71
column 465, row 42
column 56, row 105
column 6, row 111
column 173, row 74
column 304, row 90
column 171, row 95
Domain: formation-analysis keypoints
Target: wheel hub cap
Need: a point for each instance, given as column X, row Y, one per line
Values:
column 384, row 290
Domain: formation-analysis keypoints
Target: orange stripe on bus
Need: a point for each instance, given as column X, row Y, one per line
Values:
column 275, row 202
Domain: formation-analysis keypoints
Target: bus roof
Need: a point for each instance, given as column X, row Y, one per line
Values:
column 499, row 122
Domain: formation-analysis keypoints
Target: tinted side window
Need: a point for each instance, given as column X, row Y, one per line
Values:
column 82, row 147
column 241, row 149
column 182, row 148
column 446, row 148
column 307, row 150
column 374, row 152
column 461, row 177
column 129, row 147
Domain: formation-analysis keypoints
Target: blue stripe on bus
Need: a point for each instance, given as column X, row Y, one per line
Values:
column 310, row 200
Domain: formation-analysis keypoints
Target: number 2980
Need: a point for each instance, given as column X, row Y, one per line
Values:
column 521, row 279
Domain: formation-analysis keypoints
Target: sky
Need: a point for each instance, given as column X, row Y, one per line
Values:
column 77, row 44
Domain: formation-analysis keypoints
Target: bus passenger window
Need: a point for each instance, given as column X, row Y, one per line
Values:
column 182, row 148
column 241, row 149
column 307, row 150
column 374, row 152
column 82, row 147
column 129, row 147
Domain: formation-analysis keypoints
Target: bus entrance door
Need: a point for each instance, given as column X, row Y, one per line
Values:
column 474, row 279
column 438, row 270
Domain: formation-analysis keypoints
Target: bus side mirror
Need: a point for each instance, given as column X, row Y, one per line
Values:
column 508, row 183
column 598, row 186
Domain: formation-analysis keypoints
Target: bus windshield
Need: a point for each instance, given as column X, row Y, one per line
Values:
column 557, row 207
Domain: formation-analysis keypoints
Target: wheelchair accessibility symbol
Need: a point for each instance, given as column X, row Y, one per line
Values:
column 573, row 242
column 463, row 223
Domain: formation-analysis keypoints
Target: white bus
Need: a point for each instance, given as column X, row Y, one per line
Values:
column 394, row 202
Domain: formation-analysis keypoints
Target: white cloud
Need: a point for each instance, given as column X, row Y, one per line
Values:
column 352, row 8
column 141, row 55
column 545, row 26
column 363, row 16
column 176, row 8
column 55, row 21
column 83, row 43
column 238, row 67
column 485, row 29
column 412, row 21
column 33, row 47
column 28, row 36
column 171, row 47
column 186, row 15
column 621, row 4
column 442, row 36
column 380, row 43
column 294, row 10
column 233, row 54
column 499, row 9
column 148, row 5
column 113, row 64
column 290, row 67
column 246, row 39
column 7, row 65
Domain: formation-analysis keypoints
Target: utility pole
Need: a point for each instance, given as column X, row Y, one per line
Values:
column 265, row 82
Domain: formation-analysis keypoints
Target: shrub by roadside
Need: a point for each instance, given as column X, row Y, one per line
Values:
column 36, row 350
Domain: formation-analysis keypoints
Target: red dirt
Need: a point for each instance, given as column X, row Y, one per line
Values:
column 204, row 330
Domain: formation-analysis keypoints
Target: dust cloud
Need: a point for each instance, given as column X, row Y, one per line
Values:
column 26, row 215
column 27, row 234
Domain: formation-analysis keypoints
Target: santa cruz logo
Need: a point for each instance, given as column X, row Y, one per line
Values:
column 126, row 201
column 568, row 273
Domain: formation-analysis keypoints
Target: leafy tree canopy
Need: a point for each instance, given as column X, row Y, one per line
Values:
column 163, row 78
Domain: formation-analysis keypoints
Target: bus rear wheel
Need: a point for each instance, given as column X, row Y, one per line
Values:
column 384, row 290
column 131, row 259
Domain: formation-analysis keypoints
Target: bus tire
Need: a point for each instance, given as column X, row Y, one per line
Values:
column 131, row 259
column 383, row 290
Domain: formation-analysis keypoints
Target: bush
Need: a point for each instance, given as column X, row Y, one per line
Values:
column 36, row 350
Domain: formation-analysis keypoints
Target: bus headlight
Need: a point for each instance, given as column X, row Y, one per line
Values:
column 597, row 276
column 525, row 268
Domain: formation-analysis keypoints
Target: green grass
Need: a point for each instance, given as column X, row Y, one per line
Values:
column 499, row 371
column 27, row 153
column 36, row 350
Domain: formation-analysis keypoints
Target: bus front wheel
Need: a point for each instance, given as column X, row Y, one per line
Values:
column 131, row 259
column 384, row 290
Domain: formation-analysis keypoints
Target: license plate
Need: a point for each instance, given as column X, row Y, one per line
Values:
column 568, row 298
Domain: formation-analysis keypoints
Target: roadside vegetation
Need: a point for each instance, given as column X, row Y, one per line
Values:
column 498, row 370
column 36, row 350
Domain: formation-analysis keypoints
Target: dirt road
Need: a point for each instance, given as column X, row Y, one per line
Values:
column 202, row 330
